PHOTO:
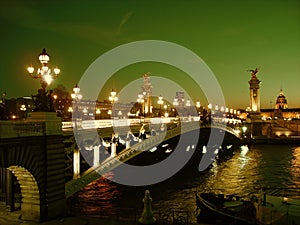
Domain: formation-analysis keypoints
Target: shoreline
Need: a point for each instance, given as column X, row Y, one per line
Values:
column 276, row 141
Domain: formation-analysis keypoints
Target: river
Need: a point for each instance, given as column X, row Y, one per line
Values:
column 274, row 166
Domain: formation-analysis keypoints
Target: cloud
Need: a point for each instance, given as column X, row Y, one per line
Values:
column 28, row 16
column 20, row 14
column 124, row 21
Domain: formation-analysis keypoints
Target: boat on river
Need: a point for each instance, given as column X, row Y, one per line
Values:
column 259, row 209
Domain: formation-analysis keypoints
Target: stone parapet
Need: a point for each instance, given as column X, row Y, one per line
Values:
column 53, row 124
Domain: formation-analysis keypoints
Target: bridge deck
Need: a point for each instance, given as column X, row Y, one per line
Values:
column 109, row 164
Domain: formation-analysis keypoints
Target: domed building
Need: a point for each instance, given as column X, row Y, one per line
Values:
column 281, row 102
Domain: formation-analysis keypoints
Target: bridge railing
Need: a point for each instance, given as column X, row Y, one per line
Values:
column 9, row 129
column 112, row 162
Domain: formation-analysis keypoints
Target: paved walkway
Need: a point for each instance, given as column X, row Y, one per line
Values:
column 13, row 218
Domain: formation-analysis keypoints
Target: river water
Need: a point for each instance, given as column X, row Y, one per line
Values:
column 251, row 167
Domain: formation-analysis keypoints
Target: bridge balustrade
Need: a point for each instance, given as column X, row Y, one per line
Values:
column 10, row 129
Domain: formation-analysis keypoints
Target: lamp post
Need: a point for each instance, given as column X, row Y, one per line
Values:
column 198, row 105
column 70, row 111
column 166, row 113
column 23, row 111
column 76, row 93
column 175, row 102
column 244, row 129
column 43, row 100
column 175, row 105
column 188, row 103
column 113, row 99
column 160, row 102
column 98, row 113
column 113, row 96
column 188, row 108
column 44, row 73
column 141, row 100
column 76, row 96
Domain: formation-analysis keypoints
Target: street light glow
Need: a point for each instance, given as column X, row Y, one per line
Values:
column 43, row 73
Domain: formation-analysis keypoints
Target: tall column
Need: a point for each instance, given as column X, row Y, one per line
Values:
column 113, row 152
column 127, row 143
column 96, row 156
column 147, row 88
column 76, row 164
column 256, row 125
column 254, row 92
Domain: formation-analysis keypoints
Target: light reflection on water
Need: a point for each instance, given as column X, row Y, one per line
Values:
column 237, row 175
column 295, row 167
column 256, row 166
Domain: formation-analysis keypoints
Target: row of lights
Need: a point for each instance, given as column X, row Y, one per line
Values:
column 46, row 77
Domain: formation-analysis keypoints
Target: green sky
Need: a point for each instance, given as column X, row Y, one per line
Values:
column 230, row 36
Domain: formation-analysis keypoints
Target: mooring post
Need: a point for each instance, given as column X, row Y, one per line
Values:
column 147, row 214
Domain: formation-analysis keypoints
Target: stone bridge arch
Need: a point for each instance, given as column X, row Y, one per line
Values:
column 30, row 206
column 38, row 163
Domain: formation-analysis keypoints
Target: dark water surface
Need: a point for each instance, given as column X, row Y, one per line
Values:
column 273, row 166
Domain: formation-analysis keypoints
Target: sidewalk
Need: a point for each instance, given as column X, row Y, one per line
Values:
column 13, row 218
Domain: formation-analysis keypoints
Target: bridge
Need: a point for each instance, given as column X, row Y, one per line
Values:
column 36, row 159
column 112, row 162
column 34, row 152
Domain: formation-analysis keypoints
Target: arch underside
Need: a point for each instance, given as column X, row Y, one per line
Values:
column 30, row 205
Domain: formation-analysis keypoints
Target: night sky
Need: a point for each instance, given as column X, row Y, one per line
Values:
column 230, row 36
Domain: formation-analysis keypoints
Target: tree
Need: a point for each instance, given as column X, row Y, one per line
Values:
column 3, row 112
column 61, row 92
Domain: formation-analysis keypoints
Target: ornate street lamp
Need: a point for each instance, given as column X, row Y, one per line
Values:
column 160, row 102
column 188, row 103
column 98, row 113
column 113, row 99
column 23, row 111
column 141, row 100
column 113, row 96
column 175, row 102
column 76, row 96
column 44, row 99
column 76, row 93
column 44, row 73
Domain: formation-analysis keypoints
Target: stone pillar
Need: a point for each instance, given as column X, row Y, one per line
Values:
column 254, row 94
column 10, row 196
column 96, row 156
column 53, row 124
column 113, row 147
column 127, row 143
column 76, row 164
column 147, row 214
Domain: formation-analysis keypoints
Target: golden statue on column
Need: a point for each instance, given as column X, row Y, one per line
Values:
column 254, row 91
column 147, row 91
